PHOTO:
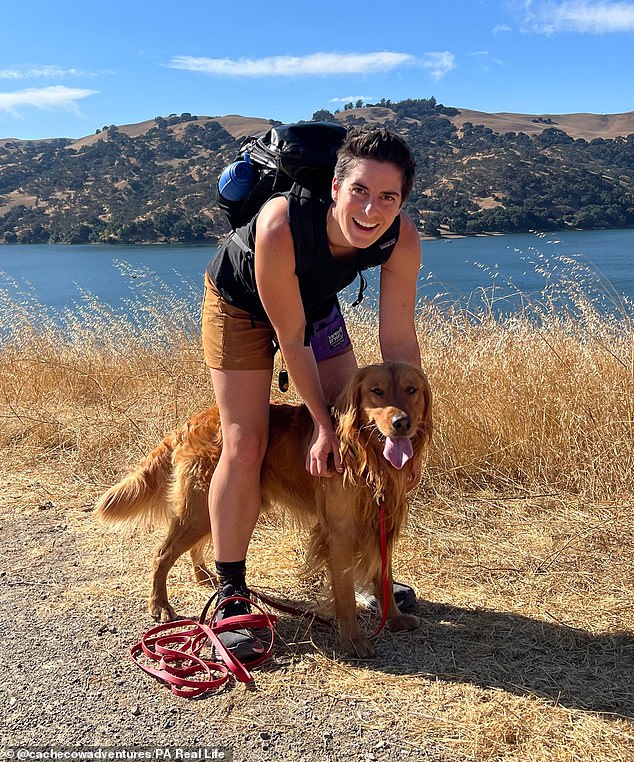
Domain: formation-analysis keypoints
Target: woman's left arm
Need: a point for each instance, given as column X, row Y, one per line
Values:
column 399, row 276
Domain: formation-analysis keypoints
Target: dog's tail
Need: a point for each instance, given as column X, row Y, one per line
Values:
column 140, row 497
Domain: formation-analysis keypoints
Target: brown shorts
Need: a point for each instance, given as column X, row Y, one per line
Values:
column 233, row 340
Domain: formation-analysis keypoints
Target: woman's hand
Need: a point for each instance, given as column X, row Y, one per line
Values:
column 323, row 444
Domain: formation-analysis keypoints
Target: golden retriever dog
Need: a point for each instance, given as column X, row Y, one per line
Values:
column 383, row 422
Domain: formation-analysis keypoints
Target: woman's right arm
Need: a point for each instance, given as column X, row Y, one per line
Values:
column 279, row 292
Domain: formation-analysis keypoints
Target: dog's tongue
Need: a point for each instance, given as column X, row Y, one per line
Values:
column 398, row 451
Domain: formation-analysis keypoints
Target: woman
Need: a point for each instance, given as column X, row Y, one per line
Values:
column 274, row 284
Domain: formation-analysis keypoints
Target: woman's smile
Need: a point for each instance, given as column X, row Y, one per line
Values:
column 364, row 225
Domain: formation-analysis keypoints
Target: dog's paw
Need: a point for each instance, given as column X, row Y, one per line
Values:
column 161, row 611
column 358, row 647
column 403, row 622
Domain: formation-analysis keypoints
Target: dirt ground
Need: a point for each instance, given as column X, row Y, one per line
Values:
column 480, row 680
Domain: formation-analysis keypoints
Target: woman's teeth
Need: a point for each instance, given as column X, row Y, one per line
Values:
column 364, row 225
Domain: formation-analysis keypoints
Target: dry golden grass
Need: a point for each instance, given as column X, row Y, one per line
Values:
column 521, row 538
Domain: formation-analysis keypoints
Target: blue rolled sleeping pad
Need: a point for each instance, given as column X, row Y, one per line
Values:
column 237, row 180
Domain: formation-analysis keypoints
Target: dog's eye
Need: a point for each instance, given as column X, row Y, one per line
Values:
column 377, row 391
column 411, row 390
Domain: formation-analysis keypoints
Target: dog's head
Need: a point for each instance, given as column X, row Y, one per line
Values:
column 387, row 407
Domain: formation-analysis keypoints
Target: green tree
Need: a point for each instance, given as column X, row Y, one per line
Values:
column 323, row 115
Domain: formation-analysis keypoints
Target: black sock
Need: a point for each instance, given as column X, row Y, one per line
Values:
column 231, row 573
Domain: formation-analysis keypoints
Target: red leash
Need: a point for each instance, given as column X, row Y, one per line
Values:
column 385, row 577
column 286, row 608
column 177, row 647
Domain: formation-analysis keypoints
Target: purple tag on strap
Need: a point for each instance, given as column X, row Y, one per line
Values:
column 330, row 337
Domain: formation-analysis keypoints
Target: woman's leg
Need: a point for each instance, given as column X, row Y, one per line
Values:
column 239, row 351
column 234, row 495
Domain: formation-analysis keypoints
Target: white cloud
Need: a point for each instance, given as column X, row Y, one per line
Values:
column 580, row 16
column 485, row 56
column 314, row 64
column 45, row 98
column 353, row 99
column 439, row 64
column 292, row 66
column 43, row 72
column 501, row 29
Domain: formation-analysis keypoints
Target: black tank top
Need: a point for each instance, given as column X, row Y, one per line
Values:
column 321, row 277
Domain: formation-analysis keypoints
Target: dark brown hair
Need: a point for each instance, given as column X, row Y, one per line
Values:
column 381, row 145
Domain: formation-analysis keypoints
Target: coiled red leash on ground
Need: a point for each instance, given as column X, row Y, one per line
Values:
column 177, row 647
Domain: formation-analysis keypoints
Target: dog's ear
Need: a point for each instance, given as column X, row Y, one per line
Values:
column 349, row 422
column 348, row 403
column 425, row 424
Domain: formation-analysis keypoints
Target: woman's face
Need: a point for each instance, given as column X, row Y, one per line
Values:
column 367, row 201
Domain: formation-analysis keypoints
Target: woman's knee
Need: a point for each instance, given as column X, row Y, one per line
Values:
column 244, row 447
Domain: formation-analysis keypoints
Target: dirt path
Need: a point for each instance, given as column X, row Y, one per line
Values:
column 73, row 601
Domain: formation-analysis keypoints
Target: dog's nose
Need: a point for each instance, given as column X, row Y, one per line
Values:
column 401, row 423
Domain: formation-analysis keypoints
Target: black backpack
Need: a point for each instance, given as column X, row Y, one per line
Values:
column 304, row 154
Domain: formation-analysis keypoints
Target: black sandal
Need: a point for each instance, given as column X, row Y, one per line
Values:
column 242, row 642
column 404, row 596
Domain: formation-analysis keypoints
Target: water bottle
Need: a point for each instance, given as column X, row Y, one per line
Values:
column 237, row 180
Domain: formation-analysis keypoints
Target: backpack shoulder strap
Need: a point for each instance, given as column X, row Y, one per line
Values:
column 301, row 221
column 300, row 218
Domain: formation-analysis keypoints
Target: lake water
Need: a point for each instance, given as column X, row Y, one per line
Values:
column 510, row 270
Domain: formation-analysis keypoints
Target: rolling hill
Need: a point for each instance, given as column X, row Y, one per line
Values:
column 477, row 172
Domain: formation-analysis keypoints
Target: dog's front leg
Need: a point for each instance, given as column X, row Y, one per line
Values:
column 341, row 567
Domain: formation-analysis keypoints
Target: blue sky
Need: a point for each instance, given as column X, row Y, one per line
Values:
column 68, row 67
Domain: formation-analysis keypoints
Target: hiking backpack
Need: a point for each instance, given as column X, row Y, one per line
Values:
column 272, row 162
